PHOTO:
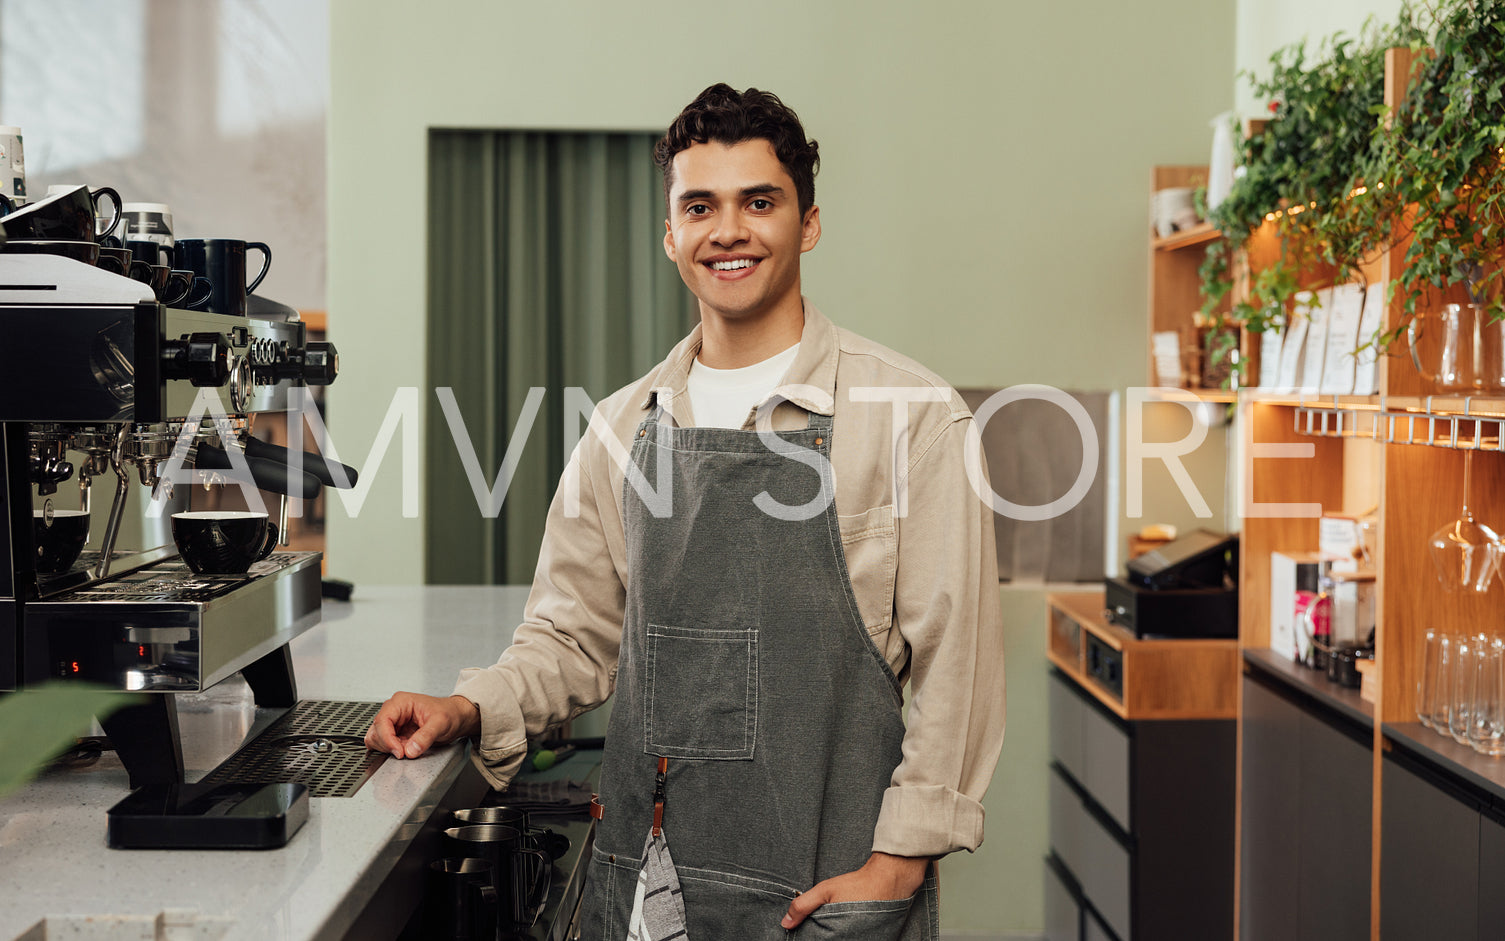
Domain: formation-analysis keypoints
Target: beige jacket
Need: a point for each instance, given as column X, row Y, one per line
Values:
column 924, row 573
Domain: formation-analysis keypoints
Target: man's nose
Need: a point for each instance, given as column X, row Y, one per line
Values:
column 731, row 229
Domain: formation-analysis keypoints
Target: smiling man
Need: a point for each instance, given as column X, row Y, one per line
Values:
column 820, row 546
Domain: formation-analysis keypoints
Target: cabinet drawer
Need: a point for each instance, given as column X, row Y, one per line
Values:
column 1092, row 854
column 1066, row 730
column 1429, row 859
column 1063, row 918
column 1093, row 930
column 1093, row 748
column 1107, row 750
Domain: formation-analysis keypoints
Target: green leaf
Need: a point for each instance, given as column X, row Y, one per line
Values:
column 38, row 723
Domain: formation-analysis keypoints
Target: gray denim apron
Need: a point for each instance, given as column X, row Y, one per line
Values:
column 744, row 661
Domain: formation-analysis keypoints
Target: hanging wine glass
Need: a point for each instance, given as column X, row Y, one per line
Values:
column 1464, row 550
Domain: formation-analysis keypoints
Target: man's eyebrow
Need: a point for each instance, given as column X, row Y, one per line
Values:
column 760, row 189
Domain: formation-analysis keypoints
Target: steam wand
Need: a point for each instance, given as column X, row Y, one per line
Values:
column 117, row 506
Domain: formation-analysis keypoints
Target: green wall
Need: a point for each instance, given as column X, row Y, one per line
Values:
column 1265, row 26
column 984, row 204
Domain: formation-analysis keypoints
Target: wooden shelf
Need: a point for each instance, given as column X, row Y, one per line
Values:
column 1312, row 400
column 1199, row 234
column 1175, row 281
column 1162, row 678
column 1443, row 406
column 1222, row 396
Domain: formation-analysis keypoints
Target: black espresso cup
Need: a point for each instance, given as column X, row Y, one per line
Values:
column 60, row 536
column 67, row 215
column 160, row 275
column 223, row 542
column 86, row 252
column 459, row 899
column 153, row 253
column 186, row 291
column 114, row 260
column 223, row 262
column 522, row 872
column 171, row 285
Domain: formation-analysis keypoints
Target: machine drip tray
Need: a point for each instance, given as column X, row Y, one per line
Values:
column 317, row 743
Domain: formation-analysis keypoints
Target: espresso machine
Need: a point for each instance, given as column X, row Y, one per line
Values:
column 98, row 380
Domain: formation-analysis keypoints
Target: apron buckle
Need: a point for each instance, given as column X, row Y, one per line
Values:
column 658, row 795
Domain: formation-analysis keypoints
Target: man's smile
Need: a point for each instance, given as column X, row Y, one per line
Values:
column 731, row 268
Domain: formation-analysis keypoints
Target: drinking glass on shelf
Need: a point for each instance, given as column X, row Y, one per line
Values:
column 1486, row 730
column 1465, row 551
column 1439, row 697
column 1461, row 699
column 1426, row 680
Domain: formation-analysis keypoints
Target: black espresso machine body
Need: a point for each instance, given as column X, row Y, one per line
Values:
column 96, row 377
column 1186, row 588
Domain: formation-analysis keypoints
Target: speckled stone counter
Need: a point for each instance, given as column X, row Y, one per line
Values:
column 54, row 864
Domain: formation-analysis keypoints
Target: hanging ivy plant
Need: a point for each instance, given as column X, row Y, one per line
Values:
column 1336, row 176
column 1298, row 176
column 1442, row 158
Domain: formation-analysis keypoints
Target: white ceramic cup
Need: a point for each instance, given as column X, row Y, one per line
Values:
column 1174, row 210
column 147, row 222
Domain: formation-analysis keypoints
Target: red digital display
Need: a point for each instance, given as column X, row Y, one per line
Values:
column 141, row 650
column 74, row 666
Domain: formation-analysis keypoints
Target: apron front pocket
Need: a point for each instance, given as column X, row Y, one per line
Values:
column 850, row 921
column 702, row 692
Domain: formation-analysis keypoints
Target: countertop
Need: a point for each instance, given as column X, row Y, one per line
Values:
column 1314, row 684
column 54, row 863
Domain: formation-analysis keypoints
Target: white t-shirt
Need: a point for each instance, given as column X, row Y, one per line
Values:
column 721, row 398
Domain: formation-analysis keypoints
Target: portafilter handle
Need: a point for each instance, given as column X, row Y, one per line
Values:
column 268, row 475
column 330, row 473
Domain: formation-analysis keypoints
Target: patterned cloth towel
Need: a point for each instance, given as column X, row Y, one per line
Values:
column 658, row 907
column 559, row 797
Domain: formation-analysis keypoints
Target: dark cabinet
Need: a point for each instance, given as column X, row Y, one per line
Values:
column 1141, row 824
column 1431, row 856
column 1491, row 876
column 1307, row 820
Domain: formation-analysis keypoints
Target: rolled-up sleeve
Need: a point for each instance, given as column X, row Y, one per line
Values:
column 947, row 608
column 563, row 657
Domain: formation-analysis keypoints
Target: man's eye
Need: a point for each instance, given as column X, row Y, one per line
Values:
column 761, row 204
column 697, row 209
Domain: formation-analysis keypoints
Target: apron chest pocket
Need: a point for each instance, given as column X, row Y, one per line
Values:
column 702, row 692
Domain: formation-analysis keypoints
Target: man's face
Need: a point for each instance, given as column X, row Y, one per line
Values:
column 735, row 229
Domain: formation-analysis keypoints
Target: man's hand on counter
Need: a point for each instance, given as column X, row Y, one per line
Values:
column 408, row 724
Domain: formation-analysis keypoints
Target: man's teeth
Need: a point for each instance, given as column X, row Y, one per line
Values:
column 732, row 265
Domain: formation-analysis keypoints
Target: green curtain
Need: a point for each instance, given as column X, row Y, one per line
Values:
column 546, row 270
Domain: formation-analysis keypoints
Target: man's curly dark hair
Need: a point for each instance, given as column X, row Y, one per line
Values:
column 727, row 116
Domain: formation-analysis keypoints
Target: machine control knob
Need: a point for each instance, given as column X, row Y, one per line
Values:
column 317, row 363
column 203, row 359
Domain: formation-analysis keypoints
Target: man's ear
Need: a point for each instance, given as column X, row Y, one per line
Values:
column 669, row 242
column 810, row 229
